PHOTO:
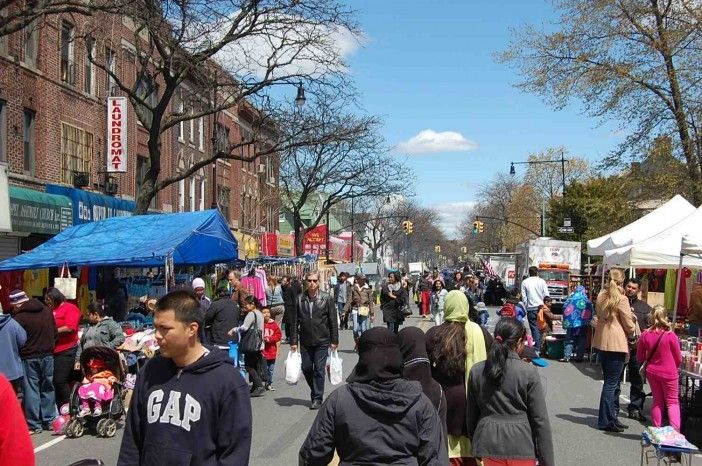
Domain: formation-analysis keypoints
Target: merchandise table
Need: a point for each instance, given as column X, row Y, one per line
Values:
column 662, row 451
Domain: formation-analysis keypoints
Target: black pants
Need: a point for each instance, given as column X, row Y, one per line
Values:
column 252, row 363
column 63, row 366
column 636, row 392
column 314, row 360
column 393, row 327
column 17, row 387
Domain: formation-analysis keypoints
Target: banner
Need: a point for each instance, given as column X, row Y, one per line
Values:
column 116, row 135
column 315, row 241
column 269, row 244
column 286, row 245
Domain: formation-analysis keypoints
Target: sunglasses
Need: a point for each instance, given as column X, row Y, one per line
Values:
column 312, row 281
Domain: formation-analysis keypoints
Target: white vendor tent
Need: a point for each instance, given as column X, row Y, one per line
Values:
column 692, row 244
column 647, row 226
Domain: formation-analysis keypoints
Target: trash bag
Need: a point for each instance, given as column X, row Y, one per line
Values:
column 336, row 373
column 293, row 367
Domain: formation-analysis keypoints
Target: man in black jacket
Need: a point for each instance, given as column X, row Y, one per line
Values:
column 220, row 318
column 315, row 322
column 641, row 310
column 190, row 404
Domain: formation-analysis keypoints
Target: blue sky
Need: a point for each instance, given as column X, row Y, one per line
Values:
column 430, row 65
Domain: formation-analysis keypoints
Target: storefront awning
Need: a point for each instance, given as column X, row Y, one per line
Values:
column 33, row 211
column 89, row 206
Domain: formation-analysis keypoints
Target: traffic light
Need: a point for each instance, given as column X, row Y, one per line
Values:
column 437, row 249
column 475, row 227
column 407, row 227
column 481, row 226
column 410, row 227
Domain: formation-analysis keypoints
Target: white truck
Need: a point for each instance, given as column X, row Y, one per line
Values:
column 556, row 261
column 416, row 269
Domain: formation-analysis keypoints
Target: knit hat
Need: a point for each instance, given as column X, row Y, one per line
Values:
column 198, row 283
column 18, row 297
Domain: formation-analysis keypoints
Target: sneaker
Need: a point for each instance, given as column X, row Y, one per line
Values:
column 316, row 404
column 38, row 430
column 270, row 387
column 84, row 411
column 258, row 392
column 97, row 411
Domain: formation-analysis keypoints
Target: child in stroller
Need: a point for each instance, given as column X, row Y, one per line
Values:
column 101, row 389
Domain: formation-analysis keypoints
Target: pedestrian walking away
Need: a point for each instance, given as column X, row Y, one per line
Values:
column 221, row 316
column 506, row 413
column 614, row 325
column 67, row 317
column 453, row 348
column 659, row 349
column 641, row 311
column 533, row 291
column 577, row 315
column 315, row 326
column 378, row 417
column 190, row 404
column 37, row 356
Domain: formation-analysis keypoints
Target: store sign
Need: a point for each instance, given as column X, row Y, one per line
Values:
column 91, row 207
column 269, row 244
column 286, row 245
column 116, row 135
column 36, row 212
column 315, row 241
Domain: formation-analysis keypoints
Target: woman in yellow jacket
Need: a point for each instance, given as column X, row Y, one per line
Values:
column 614, row 326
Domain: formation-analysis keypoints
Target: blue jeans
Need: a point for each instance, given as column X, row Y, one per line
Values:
column 39, row 400
column 360, row 324
column 270, row 365
column 393, row 327
column 575, row 337
column 535, row 332
column 612, row 369
column 314, row 359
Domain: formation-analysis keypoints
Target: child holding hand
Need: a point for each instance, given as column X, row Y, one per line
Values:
column 271, row 340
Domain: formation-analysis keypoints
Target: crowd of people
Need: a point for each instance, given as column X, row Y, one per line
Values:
column 455, row 395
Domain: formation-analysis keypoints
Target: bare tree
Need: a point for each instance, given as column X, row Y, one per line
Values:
column 226, row 54
column 356, row 166
column 632, row 60
column 547, row 178
column 383, row 223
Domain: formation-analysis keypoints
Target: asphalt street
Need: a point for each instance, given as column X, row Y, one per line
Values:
column 282, row 419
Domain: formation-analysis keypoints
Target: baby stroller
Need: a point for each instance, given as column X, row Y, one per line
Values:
column 105, row 424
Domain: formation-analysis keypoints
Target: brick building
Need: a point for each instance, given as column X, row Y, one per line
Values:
column 53, row 131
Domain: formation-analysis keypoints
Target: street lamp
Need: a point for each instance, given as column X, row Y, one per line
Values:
column 300, row 99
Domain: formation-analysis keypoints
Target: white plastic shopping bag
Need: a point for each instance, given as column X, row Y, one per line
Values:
column 293, row 367
column 336, row 373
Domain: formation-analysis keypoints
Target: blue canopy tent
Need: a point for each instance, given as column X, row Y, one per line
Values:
column 193, row 238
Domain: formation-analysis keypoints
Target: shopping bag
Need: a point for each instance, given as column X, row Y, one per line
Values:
column 293, row 367
column 336, row 375
column 66, row 285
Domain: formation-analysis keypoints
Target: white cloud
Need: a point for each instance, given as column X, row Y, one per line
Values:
column 429, row 141
column 451, row 214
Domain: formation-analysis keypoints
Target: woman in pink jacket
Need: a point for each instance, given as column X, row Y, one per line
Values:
column 660, row 347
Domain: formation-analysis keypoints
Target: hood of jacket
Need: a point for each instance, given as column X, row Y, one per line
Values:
column 33, row 305
column 4, row 319
column 392, row 398
column 214, row 359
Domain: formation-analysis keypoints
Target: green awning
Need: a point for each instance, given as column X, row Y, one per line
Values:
column 38, row 212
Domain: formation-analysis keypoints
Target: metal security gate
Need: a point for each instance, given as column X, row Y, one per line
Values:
column 9, row 246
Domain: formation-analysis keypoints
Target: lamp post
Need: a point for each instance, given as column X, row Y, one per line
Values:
column 562, row 161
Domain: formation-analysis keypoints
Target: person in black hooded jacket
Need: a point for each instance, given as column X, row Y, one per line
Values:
column 190, row 405
column 378, row 417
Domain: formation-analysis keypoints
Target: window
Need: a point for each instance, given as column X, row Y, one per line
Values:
column 201, row 133
column 76, row 152
column 269, row 218
column 31, row 44
column 223, row 201
column 3, row 39
column 181, row 196
column 181, row 124
column 147, row 90
column 222, row 138
column 192, row 195
column 202, row 195
column 89, row 74
column 191, row 137
column 110, row 64
column 28, row 138
column 68, row 69
column 142, row 165
column 3, row 131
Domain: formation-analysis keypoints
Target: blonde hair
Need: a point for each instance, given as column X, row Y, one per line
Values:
column 659, row 318
column 614, row 295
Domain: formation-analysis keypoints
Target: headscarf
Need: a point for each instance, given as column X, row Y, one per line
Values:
column 415, row 363
column 379, row 357
column 456, row 310
column 577, row 309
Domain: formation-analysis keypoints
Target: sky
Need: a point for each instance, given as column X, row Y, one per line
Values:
column 428, row 69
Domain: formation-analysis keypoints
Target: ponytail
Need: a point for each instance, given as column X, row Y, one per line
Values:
column 614, row 295
column 508, row 333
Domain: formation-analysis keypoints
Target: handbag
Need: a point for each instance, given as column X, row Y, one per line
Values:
column 363, row 311
column 406, row 311
column 66, row 285
column 252, row 340
column 642, row 369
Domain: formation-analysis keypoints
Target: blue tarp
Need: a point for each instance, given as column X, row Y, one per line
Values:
column 194, row 238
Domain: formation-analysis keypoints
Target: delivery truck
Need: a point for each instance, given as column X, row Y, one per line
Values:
column 556, row 261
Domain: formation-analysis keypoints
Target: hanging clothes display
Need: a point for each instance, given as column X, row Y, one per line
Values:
column 669, row 298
